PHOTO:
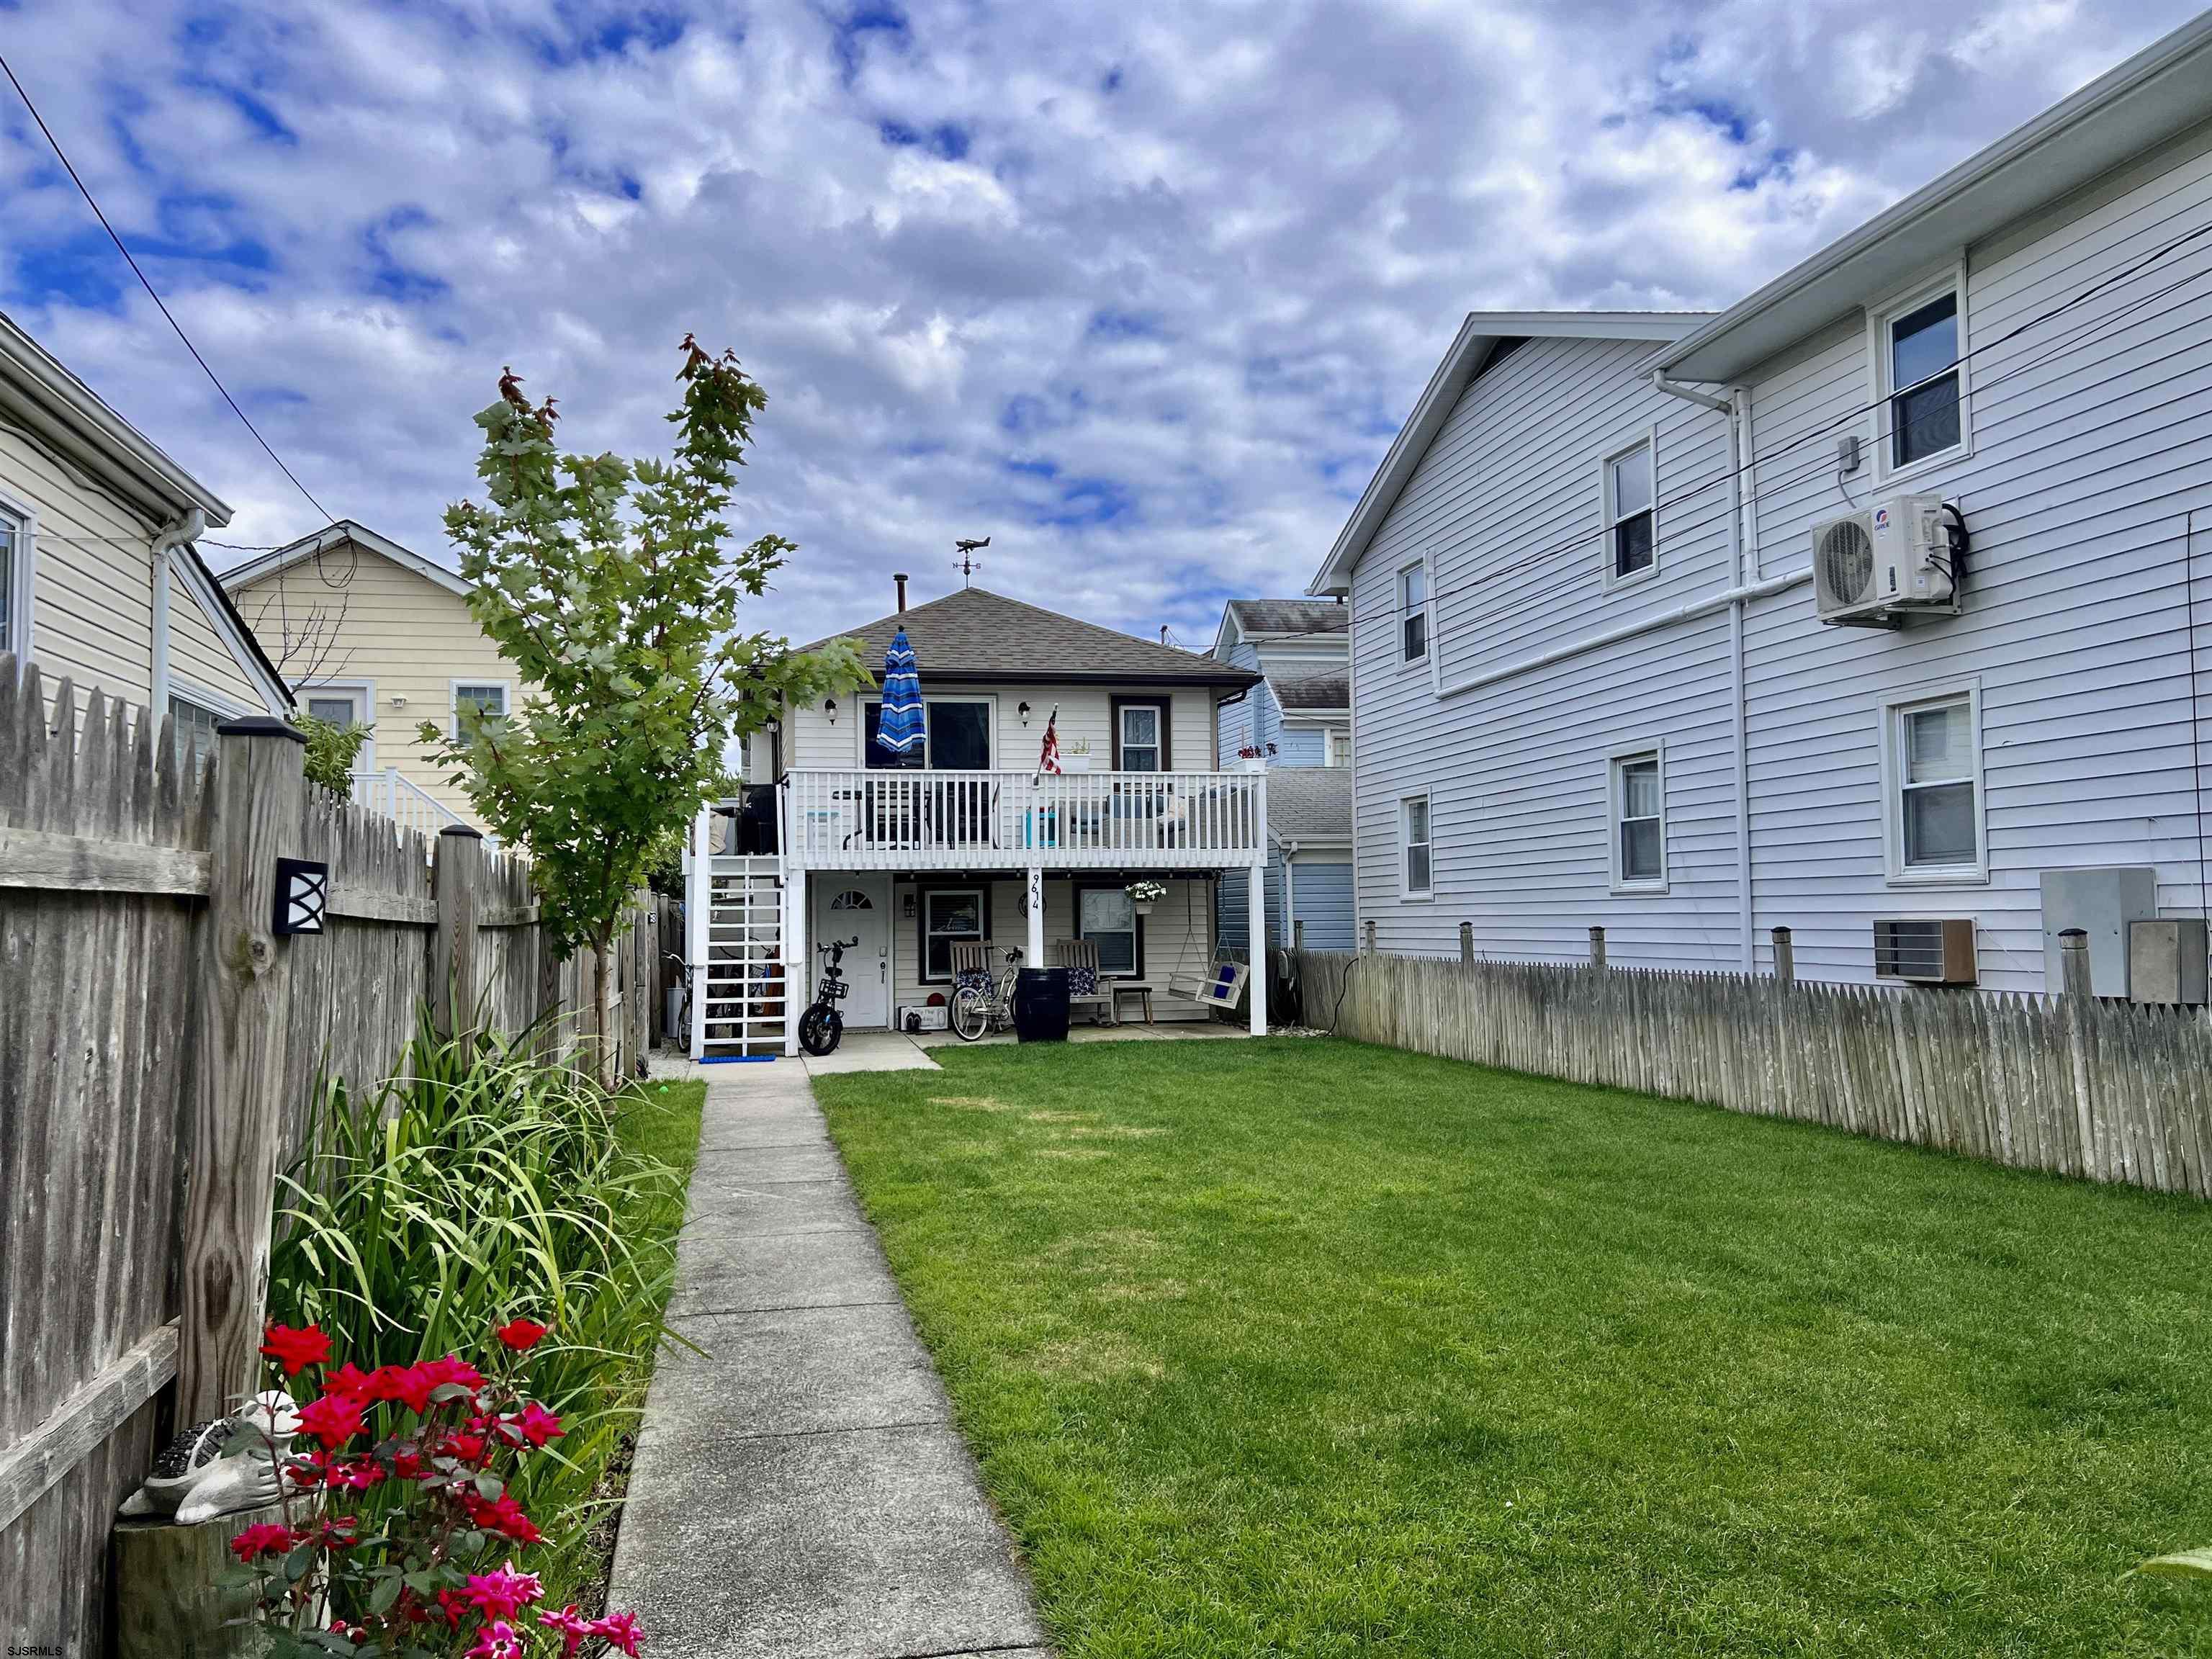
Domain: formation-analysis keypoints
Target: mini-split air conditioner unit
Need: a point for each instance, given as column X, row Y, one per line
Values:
column 1873, row 568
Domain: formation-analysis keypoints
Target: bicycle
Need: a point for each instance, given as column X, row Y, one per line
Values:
column 978, row 1009
column 821, row 1026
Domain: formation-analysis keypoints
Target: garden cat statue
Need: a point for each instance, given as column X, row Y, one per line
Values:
column 223, row 1467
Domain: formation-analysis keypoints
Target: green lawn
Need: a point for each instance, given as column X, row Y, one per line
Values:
column 1314, row 1348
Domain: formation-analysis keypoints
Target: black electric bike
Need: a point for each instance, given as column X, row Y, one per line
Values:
column 821, row 1026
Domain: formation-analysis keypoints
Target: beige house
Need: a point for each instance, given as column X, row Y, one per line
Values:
column 375, row 635
column 101, row 582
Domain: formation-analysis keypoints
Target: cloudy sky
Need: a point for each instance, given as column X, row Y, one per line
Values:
column 1141, row 291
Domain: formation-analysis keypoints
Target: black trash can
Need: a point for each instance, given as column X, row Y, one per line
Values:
column 1041, row 1005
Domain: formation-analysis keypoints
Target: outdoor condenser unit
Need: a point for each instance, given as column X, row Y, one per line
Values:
column 1925, row 951
column 1872, row 566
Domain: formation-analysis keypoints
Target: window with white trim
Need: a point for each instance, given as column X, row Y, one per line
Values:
column 194, row 725
column 1139, row 736
column 950, row 916
column 1415, row 870
column 1107, row 916
column 14, row 560
column 1638, row 796
column 1413, row 612
column 1631, row 512
column 475, row 701
column 1336, row 747
column 1919, row 349
column 1933, row 763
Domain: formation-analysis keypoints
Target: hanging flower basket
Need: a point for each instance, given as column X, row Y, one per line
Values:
column 1145, row 894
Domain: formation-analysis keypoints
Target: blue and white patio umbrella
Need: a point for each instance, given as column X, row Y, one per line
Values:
column 899, row 727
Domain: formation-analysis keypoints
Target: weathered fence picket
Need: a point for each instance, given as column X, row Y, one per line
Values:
column 158, row 1053
column 2107, row 1090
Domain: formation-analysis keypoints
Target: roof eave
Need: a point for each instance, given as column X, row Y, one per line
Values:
column 332, row 535
column 2159, row 93
column 65, row 412
column 1471, row 347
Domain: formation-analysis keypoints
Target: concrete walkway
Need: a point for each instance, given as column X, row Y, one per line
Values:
column 799, row 1492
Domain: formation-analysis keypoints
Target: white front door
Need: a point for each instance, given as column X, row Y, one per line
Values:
column 858, row 907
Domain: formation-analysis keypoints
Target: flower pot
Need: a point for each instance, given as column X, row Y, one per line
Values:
column 1144, row 907
column 1253, row 762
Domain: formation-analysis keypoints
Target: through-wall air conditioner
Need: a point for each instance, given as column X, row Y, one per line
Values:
column 1925, row 951
column 1872, row 568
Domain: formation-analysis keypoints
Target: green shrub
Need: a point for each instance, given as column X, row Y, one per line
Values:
column 477, row 1185
column 331, row 750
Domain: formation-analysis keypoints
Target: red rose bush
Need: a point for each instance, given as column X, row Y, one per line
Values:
column 399, row 1535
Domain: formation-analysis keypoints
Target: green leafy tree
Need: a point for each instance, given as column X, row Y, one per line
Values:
column 331, row 750
column 607, row 583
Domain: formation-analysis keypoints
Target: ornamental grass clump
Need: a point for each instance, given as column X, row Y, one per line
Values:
column 482, row 1182
column 401, row 1529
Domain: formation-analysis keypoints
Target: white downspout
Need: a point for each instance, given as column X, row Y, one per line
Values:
column 1739, row 594
column 189, row 528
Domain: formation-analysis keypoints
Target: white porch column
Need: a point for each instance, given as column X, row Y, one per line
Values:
column 1034, row 957
column 798, row 982
column 1256, row 911
column 698, row 903
column 1256, row 917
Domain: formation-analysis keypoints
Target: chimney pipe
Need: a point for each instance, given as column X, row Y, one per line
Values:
column 1164, row 633
column 899, row 576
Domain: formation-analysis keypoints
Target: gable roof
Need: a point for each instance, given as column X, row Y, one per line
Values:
column 66, row 413
column 1291, row 616
column 1310, row 803
column 338, row 534
column 1473, row 347
column 2159, row 93
column 976, row 635
column 1314, row 693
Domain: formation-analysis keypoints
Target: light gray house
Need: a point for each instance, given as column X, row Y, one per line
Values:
column 1297, row 721
column 1867, row 606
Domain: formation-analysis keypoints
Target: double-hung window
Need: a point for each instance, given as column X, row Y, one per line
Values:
column 475, row 702
column 1918, row 346
column 1416, row 871
column 1137, row 727
column 1638, row 796
column 1413, row 612
column 1932, row 759
column 1631, row 512
column 1107, row 916
column 949, row 917
column 14, row 594
column 194, row 724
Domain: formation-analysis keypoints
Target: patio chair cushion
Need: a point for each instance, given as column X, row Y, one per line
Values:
column 974, row 980
column 1082, row 981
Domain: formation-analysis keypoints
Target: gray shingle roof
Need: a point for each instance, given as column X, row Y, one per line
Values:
column 977, row 634
column 1315, row 690
column 1305, row 803
column 1291, row 616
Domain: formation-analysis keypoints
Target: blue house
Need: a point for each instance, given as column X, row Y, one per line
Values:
column 1297, row 721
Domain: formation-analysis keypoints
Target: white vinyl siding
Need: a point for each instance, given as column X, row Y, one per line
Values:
column 2087, row 490
column 814, row 742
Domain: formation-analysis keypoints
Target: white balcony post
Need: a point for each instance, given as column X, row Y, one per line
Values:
column 1255, row 909
column 798, row 990
column 1034, row 957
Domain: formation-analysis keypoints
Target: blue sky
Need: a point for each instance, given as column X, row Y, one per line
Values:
column 1140, row 292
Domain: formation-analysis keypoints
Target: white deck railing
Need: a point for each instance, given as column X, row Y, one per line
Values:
column 919, row 820
column 405, row 803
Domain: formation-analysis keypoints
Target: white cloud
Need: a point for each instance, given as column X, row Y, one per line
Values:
column 1141, row 295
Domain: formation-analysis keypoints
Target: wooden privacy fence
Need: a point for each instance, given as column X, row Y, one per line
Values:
column 159, row 1045
column 2106, row 1091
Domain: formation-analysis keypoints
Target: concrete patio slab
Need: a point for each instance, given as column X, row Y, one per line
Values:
column 808, row 1370
column 871, row 1051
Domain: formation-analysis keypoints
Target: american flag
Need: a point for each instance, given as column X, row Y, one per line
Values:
column 1048, row 758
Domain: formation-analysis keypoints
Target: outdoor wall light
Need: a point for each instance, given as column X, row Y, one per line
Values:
column 829, row 707
column 1024, row 711
column 303, row 888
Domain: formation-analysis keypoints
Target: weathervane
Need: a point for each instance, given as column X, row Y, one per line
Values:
column 967, row 551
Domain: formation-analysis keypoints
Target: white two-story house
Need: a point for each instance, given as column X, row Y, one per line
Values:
column 1877, row 607
column 969, row 840
column 1297, row 721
